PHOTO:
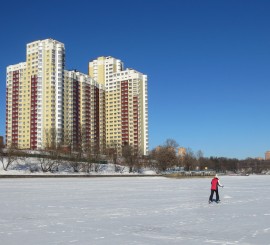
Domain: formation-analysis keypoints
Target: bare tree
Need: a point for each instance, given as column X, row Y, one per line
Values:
column 75, row 162
column 8, row 156
column 199, row 156
column 50, row 135
column 46, row 164
column 146, row 161
column 164, row 157
column 96, row 154
column 92, row 157
column 131, row 156
column 112, row 154
column 76, row 166
column 171, row 143
column 57, row 157
column 67, row 143
column 189, row 160
column 54, row 148
column 88, row 165
column 77, row 152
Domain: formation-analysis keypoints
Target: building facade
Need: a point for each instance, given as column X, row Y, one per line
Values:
column 267, row 155
column 181, row 151
column 126, row 103
column 83, row 121
column 47, row 105
column 34, row 96
column 16, row 83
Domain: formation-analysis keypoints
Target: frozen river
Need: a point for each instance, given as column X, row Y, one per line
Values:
column 150, row 210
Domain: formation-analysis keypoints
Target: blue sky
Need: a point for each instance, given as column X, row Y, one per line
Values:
column 208, row 62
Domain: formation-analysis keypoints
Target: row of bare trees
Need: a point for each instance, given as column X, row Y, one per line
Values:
column 79, row 159
column 162, row 158
column 165, row 157
column 8, row 156
column 47, row 161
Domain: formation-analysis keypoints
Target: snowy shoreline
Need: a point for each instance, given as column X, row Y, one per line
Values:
column 68, row 175
column 75, row 175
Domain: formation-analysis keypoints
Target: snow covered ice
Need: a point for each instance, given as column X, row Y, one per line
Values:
column 134, row 210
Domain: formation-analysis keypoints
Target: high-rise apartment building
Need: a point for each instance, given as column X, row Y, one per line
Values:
column 83, row 111
column 34, row 96
column 102, row 68
column 16, row 84
column 126, row 103
column 47, row 105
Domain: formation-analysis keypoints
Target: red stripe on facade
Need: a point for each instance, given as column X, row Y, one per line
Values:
column 87, row 114
column 96, row 118
column 7, row 117
column 76, row 127
column 124, row 112
column 15, row 108
column 33, row 115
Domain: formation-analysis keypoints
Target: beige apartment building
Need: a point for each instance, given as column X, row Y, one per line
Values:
column 84, row 122
column 181, row 151
column 48, row 105
column 267, row 155
column 17, row 131
column 126, row 103
column 34, row 96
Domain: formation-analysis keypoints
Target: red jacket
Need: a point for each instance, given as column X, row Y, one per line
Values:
column 214, row 184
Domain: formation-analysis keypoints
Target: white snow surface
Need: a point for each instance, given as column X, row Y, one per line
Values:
column 134, row 210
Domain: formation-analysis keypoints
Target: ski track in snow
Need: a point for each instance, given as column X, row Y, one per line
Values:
column 135, row 211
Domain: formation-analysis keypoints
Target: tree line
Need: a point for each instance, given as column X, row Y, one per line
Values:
column 161, row 159
column 165, row 157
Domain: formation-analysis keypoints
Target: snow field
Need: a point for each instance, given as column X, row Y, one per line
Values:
column 142, row 210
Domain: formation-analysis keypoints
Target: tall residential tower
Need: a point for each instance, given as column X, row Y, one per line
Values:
column 83, row 114
column 47, row 105
column 35, row 95
column 126, row 103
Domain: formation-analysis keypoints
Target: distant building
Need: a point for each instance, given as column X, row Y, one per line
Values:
column 267, row 155
column 170, row 148
column 182, row 151
column 259, row 158
column 158, row 148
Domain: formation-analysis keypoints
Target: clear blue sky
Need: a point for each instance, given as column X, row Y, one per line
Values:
column 208, row 62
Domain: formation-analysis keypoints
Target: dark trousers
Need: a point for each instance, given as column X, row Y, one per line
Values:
column 212, row 193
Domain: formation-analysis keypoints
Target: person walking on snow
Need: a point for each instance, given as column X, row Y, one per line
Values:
column 214, row 188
